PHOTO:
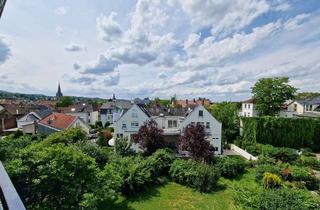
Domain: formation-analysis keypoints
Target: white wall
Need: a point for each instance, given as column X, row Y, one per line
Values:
column 248, row 110
column 81, row 124
column 94, row 117
column 126, row 120
column 215, row 126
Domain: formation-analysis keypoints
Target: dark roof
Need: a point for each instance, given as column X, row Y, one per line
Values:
column 121, row 103
column 76, row 108
column 43, row 113
column 165, row 111
column 251, row 101
column 22, row 109
column 313, row 101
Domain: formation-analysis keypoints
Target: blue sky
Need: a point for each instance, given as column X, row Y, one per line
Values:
column 192, row 48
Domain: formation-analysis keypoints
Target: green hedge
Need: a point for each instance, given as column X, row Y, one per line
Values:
column 282, row 132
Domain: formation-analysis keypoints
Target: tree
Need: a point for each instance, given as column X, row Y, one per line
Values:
column 65, row 101
column 98, row 124
column 123, row 146
column 307, row 95
column 227, row 114
column 103, row 137
column 150, row 137
column 271, row 93
column 194, row 141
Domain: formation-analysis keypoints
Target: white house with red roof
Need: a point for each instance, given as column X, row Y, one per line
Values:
column 58, row 122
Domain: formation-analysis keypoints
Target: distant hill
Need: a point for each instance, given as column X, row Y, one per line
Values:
column 34, row 97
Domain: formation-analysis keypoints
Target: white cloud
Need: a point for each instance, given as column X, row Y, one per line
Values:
column 60, row 11
column 108, row 28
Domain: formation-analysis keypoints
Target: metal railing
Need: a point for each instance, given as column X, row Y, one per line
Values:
column 9, row 198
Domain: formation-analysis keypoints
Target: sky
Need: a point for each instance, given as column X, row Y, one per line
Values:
column 158, row 48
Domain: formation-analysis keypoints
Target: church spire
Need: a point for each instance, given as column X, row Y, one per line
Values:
column 59, row 94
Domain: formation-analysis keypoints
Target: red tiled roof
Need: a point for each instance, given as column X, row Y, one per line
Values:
column 58, row 120
column 251, row 100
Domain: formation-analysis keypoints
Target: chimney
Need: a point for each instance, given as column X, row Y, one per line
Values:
column 194, row 100
column 187, row 101
column 202, row 102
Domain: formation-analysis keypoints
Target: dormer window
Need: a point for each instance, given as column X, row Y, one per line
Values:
column 200, row 113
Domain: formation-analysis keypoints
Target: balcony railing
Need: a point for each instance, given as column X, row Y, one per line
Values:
column 9, row 198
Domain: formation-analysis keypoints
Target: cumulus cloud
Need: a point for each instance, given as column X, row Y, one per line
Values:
column 76, row 66
column 108, row 28
column 104, row 64
column 83, row 80
column 60, row 11
column 162, row 75
column 111, row 79
column 5, row 51
column 74, row 48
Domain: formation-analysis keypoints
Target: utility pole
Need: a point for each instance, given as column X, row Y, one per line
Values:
column 2, row 4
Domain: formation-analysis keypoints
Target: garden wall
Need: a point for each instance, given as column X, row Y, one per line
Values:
column 282, row 132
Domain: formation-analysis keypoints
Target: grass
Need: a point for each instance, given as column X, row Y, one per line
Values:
column 175, row 196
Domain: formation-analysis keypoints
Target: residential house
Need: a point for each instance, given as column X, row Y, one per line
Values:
column 82, row 110
column 302, row 108
column 171, row 120
column 28, row 123
column 248, row 108
column 56, row 122
column 194, row 102
column 112, row 110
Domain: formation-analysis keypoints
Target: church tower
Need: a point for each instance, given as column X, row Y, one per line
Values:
column 59, row 94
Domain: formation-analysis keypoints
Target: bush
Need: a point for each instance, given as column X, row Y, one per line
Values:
column 271, row 181
column 284, row 154
column 103, row 137
column 123, row 146
column 199, row 176
column 303, row 174
column 310, row 161
column 261, row 169
column 67, row 137
column 101, row 155
column 275, row 199
column 231, row 167
column 160, row 162
column 133, row 171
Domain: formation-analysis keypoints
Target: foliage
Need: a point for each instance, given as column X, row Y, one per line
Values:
column 271, row 93
column 262, row 169
column 103, row 137
column 107, row 124
column 194, row 140
column 271, row 181
column 150, row 137
column 231, row 167
column 65, row 101
column 47, row 177
column 307, row 95
column 66, row 137
column 281, row 132
column 283, row 198
column 310, row 161
column 303, row 174
column 123, row 146
column 133, row 171
column 101, row 155
column 98, row 124
column 227, row 114
column 10, row 145
column 160, row 162
column 199, row 176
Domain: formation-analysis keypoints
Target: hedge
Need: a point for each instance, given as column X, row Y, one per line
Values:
column 282, row 132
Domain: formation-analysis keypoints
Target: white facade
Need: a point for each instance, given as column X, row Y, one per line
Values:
column 134, row 118
column 248, row 110
column 302, row 108
column 87, row 117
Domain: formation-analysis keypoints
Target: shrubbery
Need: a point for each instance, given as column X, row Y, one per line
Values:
column 101, row 155
column 262, row 169
column 199, row 176
column 275, row 199
column 231, row 167
column 122, row 146
column 271, row 181
column 67, row 137
column 160, row 162
column 310, row 161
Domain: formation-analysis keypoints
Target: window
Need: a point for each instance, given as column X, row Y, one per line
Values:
column 193, row 123
column 124, row 126
column 208, row 125
column 172, row 123
column 216, row 149
column 245, row 106
column 248, row 106
column 200, row 113
column 134, row 115
column 134, row 124
column 119, row 135
column 295, row 107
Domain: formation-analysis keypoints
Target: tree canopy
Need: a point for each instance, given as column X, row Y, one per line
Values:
column 271, row 93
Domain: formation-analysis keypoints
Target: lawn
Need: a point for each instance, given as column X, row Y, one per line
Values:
column 175, row 196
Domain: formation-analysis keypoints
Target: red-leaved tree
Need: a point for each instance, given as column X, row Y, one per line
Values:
column 150, row 137
column 193, row 140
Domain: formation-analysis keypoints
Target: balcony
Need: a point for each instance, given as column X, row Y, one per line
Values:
column 9, row 198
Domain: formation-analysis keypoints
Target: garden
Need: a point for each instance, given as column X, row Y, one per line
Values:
column 67, row 171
